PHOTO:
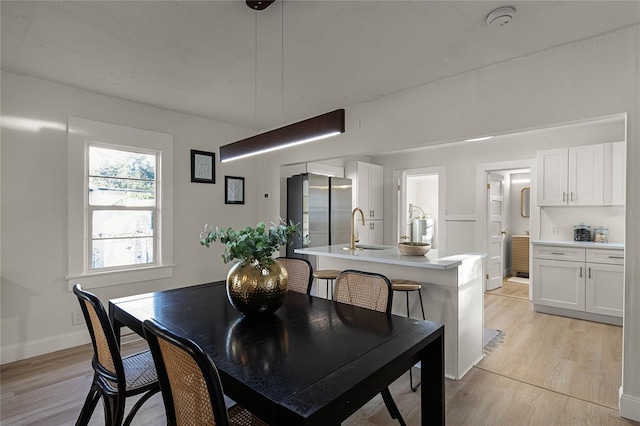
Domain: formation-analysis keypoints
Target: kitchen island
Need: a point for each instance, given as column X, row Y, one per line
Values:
column 452, row 292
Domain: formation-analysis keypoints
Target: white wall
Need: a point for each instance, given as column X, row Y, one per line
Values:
column 36, row 305
column 590, row 78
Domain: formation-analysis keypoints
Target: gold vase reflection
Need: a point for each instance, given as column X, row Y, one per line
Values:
column 257, row 286
column 257, row 353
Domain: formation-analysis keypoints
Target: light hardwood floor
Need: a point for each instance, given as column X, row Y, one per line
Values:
column 549, row 370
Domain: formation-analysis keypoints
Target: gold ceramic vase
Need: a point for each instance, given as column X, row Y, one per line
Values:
column 257, row 287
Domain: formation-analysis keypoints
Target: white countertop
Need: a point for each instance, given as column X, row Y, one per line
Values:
column 580, row 244
column 434, row 259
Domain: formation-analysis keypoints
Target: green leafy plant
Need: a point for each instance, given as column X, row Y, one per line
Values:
column 257, row 243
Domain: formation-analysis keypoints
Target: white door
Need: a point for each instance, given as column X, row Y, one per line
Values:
column 495, row 189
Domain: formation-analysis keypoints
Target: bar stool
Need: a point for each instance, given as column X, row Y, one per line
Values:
column 329, row 275
column 408, row 286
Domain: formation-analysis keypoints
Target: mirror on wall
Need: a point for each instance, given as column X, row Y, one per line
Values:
column 524, row 201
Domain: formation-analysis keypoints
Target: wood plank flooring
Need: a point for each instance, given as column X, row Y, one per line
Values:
column 549, row 370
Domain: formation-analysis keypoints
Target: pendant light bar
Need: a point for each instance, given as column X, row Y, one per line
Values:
column 311, row 129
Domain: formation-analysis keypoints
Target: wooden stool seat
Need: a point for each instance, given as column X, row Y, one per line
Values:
column 405, row 285
column 329, row 275
column 326, row 274
column 398, row 284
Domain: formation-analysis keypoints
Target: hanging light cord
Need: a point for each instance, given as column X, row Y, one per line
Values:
column 282, row 59
column 255, row 74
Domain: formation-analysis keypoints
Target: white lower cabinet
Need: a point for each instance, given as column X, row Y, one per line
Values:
column 578, row 279
column 559, row 283
column 604, row 289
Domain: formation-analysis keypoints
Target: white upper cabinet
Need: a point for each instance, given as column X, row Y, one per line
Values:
column 615, row 167
column 581, row 176
column 367, row 187
column 552, row 177
column 370, row 232
column 586, row 166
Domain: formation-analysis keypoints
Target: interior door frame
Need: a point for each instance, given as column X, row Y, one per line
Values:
column 482, row 207
column 503, row 178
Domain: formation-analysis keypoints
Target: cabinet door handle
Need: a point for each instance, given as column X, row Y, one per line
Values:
column 564, row 196
column 572, row 198
column 589, row 272
column 616, row 257
column 581, row 272
column 557, row 253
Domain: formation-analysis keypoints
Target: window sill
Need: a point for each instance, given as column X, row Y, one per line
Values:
column 111, row 278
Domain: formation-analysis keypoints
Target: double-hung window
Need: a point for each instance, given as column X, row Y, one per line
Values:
column 120, row 204
column 121, row 208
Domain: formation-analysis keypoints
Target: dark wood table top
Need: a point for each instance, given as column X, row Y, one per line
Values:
column 313, row 361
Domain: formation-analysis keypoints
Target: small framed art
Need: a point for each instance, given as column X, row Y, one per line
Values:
column 203, row 166
column 233, row 190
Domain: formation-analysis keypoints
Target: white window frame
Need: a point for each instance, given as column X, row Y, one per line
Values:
column 80, row 134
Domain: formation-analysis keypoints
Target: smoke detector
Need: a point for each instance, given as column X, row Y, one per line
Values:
column 500, row 17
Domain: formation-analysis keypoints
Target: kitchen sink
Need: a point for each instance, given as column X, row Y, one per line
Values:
column 368, row 247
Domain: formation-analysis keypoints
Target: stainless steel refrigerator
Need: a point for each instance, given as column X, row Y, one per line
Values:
column 321, row 205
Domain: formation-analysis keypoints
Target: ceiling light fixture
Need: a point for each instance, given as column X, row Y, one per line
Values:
column 309, row 130
column 484, row 138
column 259, row 5
column 319, row 127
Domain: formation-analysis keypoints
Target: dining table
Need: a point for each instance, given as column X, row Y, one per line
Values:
column 312, row 362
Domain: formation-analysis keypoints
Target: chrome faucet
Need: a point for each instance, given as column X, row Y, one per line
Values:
column 352, row 246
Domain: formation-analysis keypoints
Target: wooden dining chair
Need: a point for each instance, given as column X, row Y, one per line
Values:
column 115, row 377
column 371, row 291
column 300, row 274
column 190, row 384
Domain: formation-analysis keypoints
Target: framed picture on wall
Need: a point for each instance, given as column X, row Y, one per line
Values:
column 203, row 166
column 233, row 190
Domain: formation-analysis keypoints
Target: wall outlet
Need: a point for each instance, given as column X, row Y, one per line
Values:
column 77, row 318
column 554, row 230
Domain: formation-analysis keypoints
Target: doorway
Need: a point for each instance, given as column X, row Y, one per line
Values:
column 500, row 204
column 420, row 194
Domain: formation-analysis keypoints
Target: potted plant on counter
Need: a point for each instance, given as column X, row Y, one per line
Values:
column 256, row 284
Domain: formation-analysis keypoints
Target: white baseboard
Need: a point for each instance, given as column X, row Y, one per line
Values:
column 629, row 406
column 43, row 346
column 52, row 344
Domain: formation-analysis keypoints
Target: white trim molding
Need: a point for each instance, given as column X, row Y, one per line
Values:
column 629, row 406
column 80, row 133
column 43, row 346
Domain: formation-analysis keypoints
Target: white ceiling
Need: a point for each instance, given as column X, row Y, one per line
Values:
column 199, row 57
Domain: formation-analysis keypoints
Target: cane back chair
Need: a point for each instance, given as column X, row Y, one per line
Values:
column 115, row 377
column 190, row 384
column 300, row 274
column 372, row 291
